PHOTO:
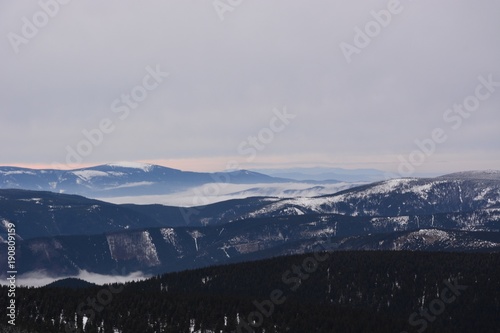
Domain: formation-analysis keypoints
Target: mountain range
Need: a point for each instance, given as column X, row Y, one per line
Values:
column 322, row 174
column 121, row 179
column 63, row 234
column 132, row 182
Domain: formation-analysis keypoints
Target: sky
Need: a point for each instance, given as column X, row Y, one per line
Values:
column 402, row 86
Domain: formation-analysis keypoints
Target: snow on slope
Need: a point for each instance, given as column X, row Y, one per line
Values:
column 132, row 165
column 475, row 174
column 137, row 245
column 413, row 194
column 87, row 175
column 17, row 172
column 426, row 237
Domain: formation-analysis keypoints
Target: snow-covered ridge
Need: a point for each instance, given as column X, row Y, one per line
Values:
column 318, row 204
column 133, row 165
column 395, row 197
column 475, row 174
column 17, row 172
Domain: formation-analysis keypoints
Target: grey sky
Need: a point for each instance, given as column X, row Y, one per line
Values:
column 226, row 78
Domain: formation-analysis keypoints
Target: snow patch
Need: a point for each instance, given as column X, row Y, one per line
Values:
column 37, row 201
column 127, row 185
column 137, row 246
column 196, row 234
column 87, row 175
column 170, row 237
column 133, row 165
column 17, row 172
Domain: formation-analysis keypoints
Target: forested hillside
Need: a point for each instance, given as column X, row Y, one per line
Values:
column 321, row 292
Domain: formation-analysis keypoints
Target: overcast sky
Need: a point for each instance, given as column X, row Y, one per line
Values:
column 233, row 66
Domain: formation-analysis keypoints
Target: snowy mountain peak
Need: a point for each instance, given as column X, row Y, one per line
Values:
column 133, row 165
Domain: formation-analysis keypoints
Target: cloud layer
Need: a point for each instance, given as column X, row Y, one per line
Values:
column 40, row 279
column 226, row 77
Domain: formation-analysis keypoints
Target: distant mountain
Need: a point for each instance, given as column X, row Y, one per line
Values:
column 323, row 174
column 122, row 179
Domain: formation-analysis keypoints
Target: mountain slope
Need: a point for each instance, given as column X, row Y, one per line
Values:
column 160, row 250
column 39, row 214
column 455, row 213
column 327, row 292
column 396, row 197
column 43, row 214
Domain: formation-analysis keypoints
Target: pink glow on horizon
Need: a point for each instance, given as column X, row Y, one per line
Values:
column 200, row 165
column 203, row 164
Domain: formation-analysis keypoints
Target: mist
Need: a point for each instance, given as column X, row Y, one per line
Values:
column 41, row 278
